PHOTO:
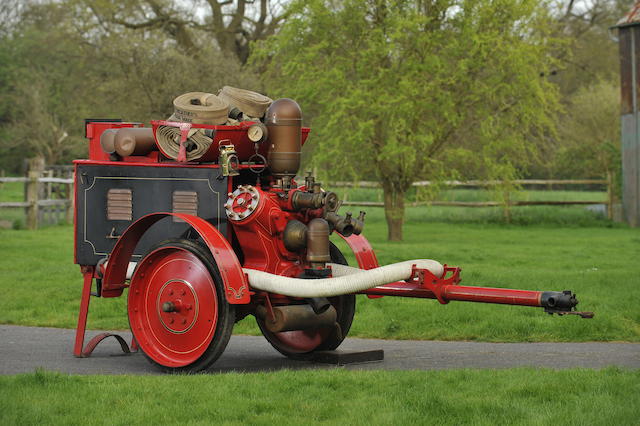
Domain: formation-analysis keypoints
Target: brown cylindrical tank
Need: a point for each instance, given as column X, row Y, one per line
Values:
column 284, row 121
column 318, row 243
column 134, row 141
column 107, row 140
column 296, row 317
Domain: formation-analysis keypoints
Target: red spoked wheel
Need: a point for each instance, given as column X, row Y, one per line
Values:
column 177, row 309
column 299, row 344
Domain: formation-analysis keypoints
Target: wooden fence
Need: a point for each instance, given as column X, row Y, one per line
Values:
column 506, row 204
column 48, row 194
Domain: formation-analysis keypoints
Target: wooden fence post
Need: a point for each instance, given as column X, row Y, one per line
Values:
column 507, row 206
column 610, row 195
column 36, row 165
column 71, row 201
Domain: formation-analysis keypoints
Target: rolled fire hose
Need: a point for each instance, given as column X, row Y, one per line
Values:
column 169, row 140
column 345, row 279
column 251, row 104
column 200, row 108
column 197, row 108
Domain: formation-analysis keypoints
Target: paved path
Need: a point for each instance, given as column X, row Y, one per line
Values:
column 22, row 349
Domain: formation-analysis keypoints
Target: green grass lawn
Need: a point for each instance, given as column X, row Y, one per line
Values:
column 12, row 192
column 482, row 397
column 41, row 286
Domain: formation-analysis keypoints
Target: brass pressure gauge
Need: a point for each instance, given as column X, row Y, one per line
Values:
column 257, row 133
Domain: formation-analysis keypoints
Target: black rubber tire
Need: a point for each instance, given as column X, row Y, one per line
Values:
column 226, row 311
column 345, row 307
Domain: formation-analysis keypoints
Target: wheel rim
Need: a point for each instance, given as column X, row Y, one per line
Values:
column 173, row 306
column 298, row 341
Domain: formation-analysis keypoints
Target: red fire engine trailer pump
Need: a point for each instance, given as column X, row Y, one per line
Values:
column 202, row 243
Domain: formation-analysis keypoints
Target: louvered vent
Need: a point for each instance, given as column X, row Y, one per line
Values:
column 185, row 202
column 119, row 204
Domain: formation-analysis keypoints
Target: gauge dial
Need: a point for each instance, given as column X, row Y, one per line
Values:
column 257, row 132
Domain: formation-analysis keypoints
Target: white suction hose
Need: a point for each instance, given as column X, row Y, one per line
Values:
column 345, row 279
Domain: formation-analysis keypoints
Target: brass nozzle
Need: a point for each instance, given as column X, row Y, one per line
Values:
column 344, row 225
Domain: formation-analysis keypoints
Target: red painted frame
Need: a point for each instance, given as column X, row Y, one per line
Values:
column 423, row 284
column 235, row 282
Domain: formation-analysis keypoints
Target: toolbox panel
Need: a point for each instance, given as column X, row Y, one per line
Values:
column 108, row 195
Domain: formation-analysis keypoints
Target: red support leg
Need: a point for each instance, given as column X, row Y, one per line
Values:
column 87, row 272
column 79, row 350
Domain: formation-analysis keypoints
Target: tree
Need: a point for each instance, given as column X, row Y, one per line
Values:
column 43, row 72
column 193, row 24
column 55, row 72
column 589, row 58
column 584, row 27
column 416, row 89
column 591, row 132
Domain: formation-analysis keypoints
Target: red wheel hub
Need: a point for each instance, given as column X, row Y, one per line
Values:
column 177, row 306
column 173, row 306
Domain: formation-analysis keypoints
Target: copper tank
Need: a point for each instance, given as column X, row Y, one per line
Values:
column 284, row 121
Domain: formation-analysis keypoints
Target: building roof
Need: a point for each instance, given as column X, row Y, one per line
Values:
column 632, row 17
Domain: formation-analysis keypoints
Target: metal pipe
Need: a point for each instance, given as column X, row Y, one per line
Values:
column 503, row 296
column 296, row 317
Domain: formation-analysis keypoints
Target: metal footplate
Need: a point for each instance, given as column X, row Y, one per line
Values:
column 347, row 357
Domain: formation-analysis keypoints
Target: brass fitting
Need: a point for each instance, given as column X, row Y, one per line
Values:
column 318, row 243
column 307, row 200
column 295, row 236
column 358, row 224
column 346, row 225
column 314, row 200
column 309, row 180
